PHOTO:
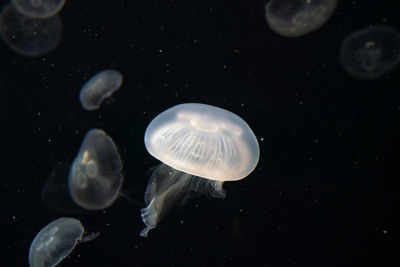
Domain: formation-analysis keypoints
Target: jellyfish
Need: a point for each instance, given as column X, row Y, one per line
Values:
column 38, row 8
column 200, row 147
column 370, row 53
column 55, row 193
column 56, row 241
column 293, row 18
column 29, row 37
column 95, row 178
column 99, row 87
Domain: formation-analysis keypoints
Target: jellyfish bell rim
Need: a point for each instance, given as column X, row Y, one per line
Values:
column 247, row 146
column 38, row 12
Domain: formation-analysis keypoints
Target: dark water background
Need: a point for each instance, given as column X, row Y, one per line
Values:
column 325, row 192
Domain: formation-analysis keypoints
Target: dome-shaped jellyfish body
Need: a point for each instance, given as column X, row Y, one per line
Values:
column 38, row 8
column 56, row 241
column 201, row 146
column 29, row 36
column 95, row 178
column 99, row 87
column 370, row 53
column 292, row 18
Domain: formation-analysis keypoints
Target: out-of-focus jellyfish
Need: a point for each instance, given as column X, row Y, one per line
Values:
column 99, row 87
column 56, row 241
column 370, row 53
column 55, row 193
column 29, row 36
column 293, row 18
column 201, row 147
column 95, row 178
column 38, row 8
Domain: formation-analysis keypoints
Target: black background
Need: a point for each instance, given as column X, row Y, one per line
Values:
column 324, row 193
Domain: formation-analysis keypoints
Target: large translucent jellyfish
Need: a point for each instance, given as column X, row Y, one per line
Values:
column 200, row 147
column 292, row 18
column 370, row 53
column 99, row 87
column 95, row 178
column 38, row 8
column 29, row 36
column 56, row 241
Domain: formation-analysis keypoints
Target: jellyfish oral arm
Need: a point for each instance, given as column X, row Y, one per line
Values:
column 89, row 237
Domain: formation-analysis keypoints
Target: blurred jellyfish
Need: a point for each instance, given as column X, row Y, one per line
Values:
column 370, row 53
column 39, row 9
column 55, row 193
column 293, row 18
column 201, row 147
column 29, row 36
column 99, row 87
column 56, row 241
column 95, row 178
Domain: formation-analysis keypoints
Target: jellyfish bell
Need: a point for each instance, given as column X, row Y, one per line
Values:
column 293, row 18
column 99, row 87
column 371, row 53
column 95, row 178
column 28, row 36
column 204, row 141
column 56, row 241
column 200, row 147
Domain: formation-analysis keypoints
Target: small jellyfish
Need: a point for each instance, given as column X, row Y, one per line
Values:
column 39, row 9
column 99, row 87
column 200, row 147
column 56, row 241
column 293, row 18
column 29, row 37
column 370, row 53
column 95, row 178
